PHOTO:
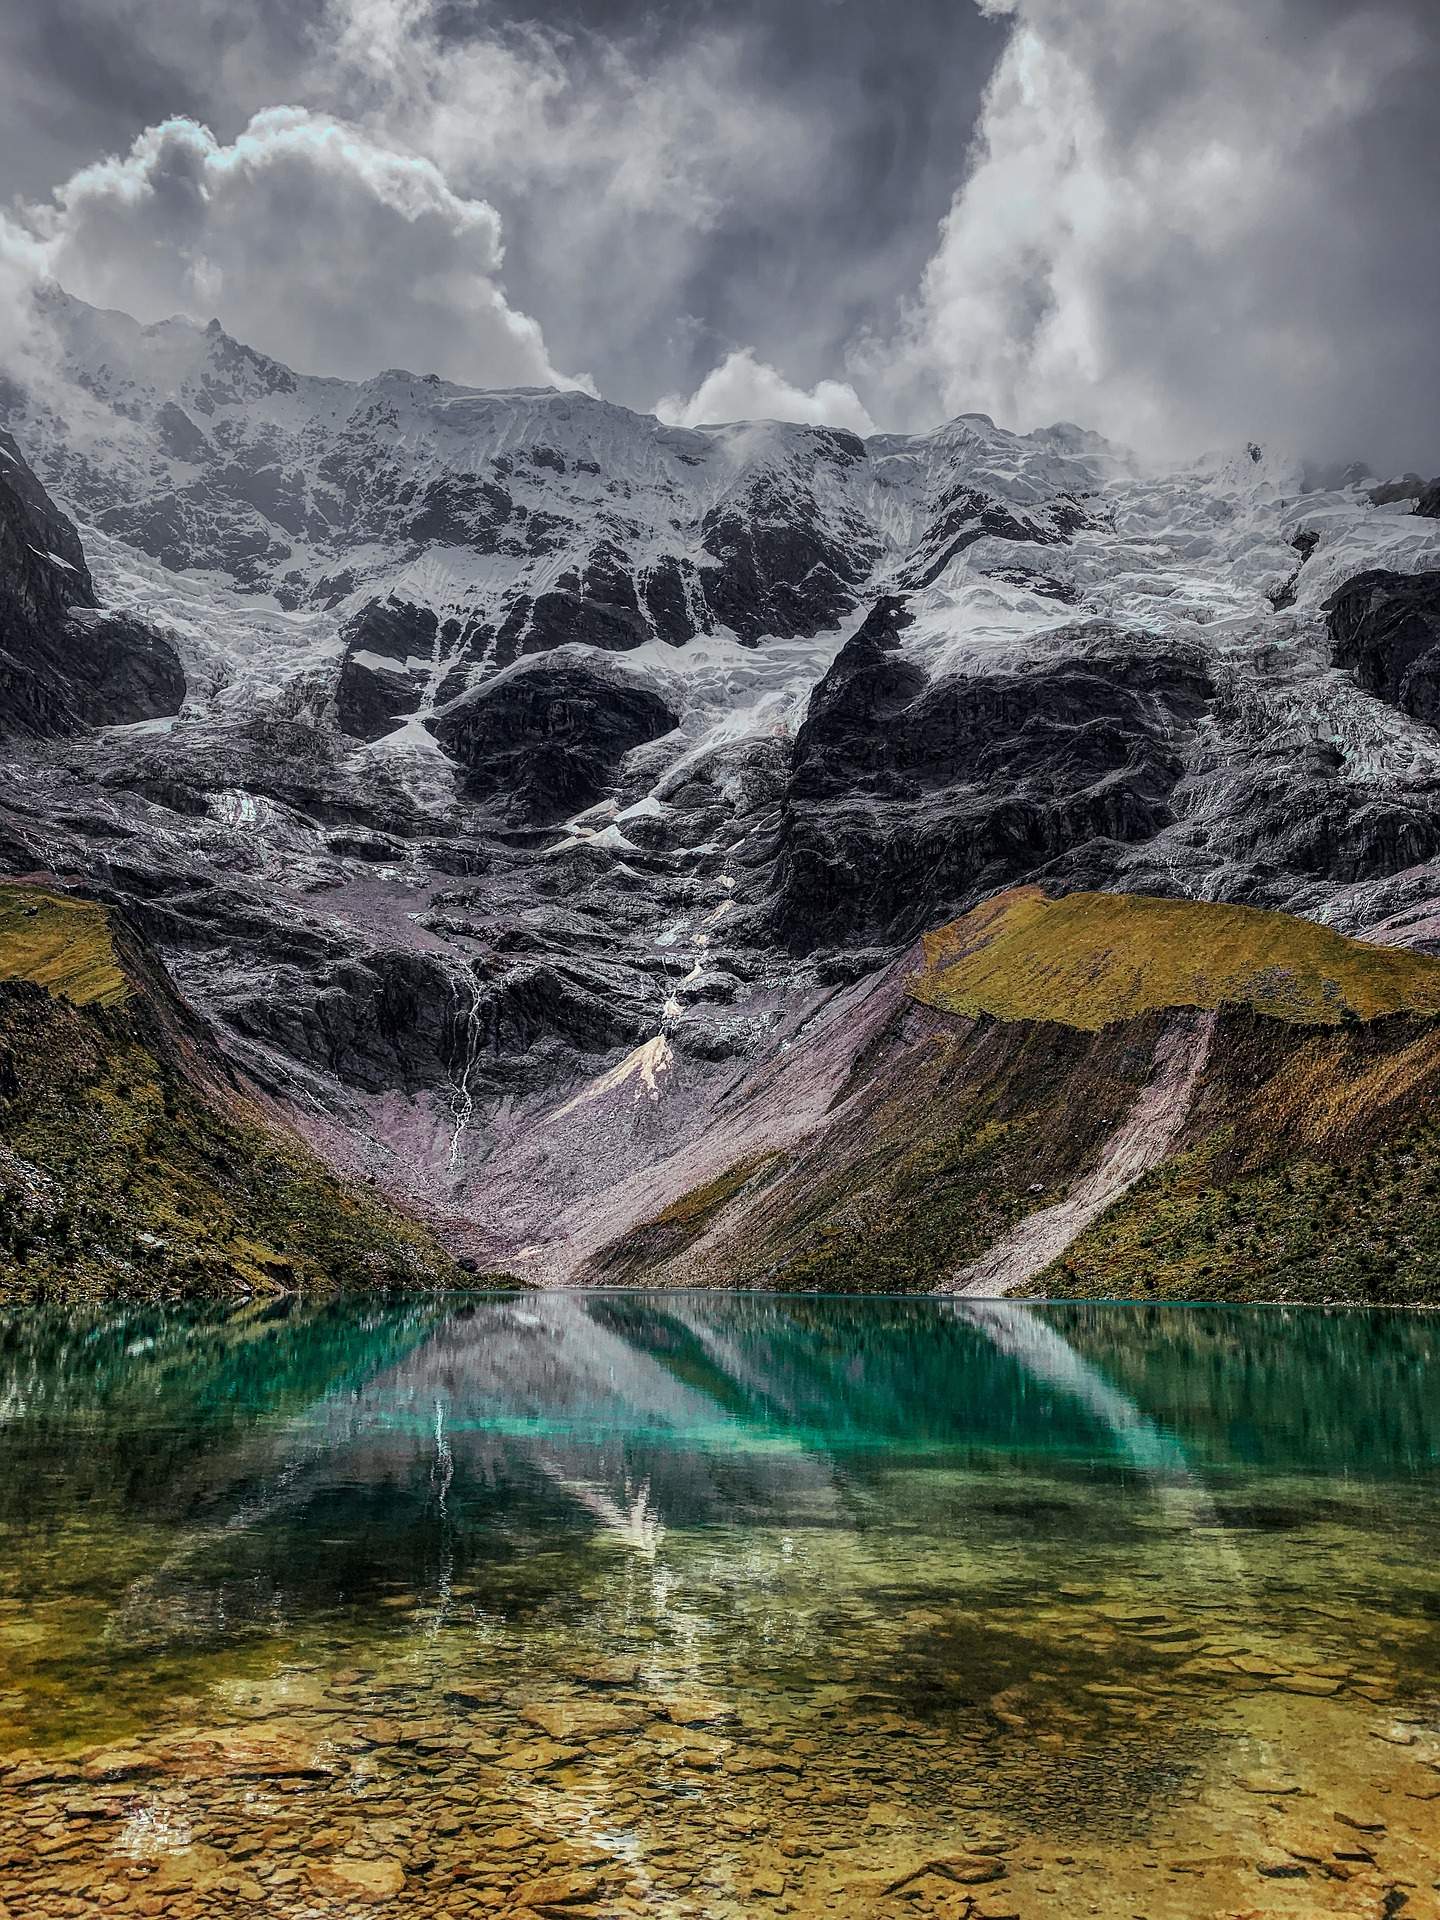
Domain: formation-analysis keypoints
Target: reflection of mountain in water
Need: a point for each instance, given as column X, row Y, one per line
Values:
column 752, row 1374
column 293, row 1461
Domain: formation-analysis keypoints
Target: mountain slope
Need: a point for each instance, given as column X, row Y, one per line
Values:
column 439, row 533
column 131, row 1160
column 542, row 770
column 1100, row 1094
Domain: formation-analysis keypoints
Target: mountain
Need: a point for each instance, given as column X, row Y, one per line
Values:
column 544, row 777
column 1097, row 1094
column 63, row 663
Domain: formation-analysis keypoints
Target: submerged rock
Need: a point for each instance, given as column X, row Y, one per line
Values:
column 356, row 1881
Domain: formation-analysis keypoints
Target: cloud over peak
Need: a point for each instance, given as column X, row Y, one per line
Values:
column 1183, row 226
column 316, row 242
column 743, row 387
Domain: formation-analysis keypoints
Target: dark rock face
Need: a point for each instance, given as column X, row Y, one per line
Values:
column 1385, row 627
column 868, row 685
column 380, row 1019
column 1428, row 504
column 374, row 1020
column 179, row 436
column 373, row 695
column 909, row 796
column 603, row 612
column 63, row 663
column 121, row 670
column 544, row 742
column 1304, row 544
column 54, row 577
column 777, row 569
column 966, row 515
column 1408, row 487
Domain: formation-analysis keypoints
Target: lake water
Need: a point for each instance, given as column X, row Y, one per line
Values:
column 705, row 1605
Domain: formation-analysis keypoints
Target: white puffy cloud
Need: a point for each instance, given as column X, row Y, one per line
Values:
column 641, row 167
column 310, row 239
column 1189, row 224
column 743, row 387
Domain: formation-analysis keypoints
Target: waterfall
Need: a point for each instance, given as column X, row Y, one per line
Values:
column 465, row 1054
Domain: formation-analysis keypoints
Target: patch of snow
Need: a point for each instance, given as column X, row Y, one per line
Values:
column 648, row 1065
column 136, row 728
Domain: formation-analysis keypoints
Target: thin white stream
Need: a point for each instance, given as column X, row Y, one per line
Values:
column 462, row 1100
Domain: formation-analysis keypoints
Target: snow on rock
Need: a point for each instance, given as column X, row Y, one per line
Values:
column 525, row 689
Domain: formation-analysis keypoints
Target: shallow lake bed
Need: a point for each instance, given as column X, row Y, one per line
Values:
column 714, row 1605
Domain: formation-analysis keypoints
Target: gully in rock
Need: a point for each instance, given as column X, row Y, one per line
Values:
column 467, row 1025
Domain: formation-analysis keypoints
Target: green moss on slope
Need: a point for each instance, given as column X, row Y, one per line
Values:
column 61, row 944
column 123, row 1171
column 1310, row 1170
column 1091, row 959
column 915, row 1210
column 1307, row 1230
column 1302, row 1167
column 677, row 1227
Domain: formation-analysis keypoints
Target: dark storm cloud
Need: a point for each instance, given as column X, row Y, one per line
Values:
column 1191, row 225
column 799, row 250
column 1179, row 224
column 79, row 79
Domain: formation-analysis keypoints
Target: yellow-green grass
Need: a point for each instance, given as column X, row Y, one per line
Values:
column 124, row 1171
column 1088, row 960
column 63, row 945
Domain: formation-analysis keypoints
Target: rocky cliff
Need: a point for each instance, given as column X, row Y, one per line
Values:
column 134, row 1160
column 64, row 663
column 542, row 770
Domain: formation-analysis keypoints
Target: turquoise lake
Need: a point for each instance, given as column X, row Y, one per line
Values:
column 714, row 1605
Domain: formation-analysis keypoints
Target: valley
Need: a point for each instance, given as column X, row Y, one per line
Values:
column 556, row 821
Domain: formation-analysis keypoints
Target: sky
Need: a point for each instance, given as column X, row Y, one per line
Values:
column 1179, row 225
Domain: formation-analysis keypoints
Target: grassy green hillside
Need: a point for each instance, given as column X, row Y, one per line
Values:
column 1303, row 1162
column 1090, row 959
column 1310, row 1171
column 63, row 945
column 127, row 1164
